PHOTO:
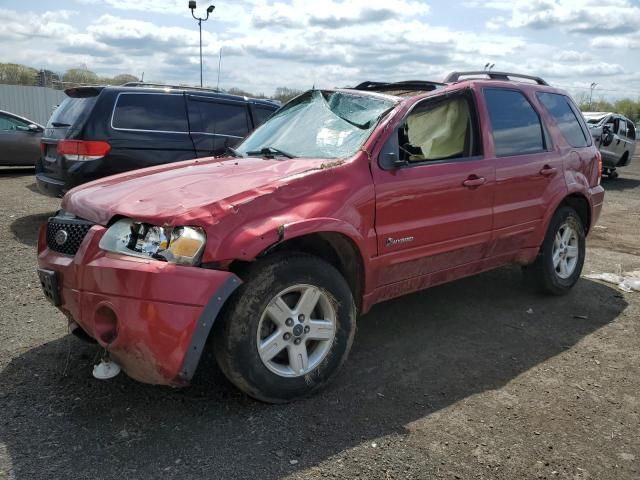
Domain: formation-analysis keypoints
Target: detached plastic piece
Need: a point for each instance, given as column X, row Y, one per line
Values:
column 106, row 370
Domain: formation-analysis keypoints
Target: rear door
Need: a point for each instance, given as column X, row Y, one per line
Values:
column 528, row 170
column 433, row 213
column 217, row 123
column 148, row 129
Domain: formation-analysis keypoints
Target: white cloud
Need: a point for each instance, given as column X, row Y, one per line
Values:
column 576, row 16
column 269, row 43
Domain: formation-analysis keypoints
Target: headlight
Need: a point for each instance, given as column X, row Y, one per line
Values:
column 182, row 245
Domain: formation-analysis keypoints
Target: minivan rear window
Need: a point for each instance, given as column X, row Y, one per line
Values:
column 150, row 112
column 70, row 111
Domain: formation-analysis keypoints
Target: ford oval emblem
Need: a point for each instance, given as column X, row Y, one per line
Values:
column 61, row 237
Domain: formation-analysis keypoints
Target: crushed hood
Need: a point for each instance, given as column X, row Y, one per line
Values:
column 182, row 192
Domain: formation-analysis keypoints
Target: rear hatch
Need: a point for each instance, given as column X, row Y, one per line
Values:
column 66, row 122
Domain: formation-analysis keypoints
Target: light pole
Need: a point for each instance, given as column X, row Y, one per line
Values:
column 593, row 86
column 210, row 8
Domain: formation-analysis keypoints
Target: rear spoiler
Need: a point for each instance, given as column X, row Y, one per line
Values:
column 83, row 92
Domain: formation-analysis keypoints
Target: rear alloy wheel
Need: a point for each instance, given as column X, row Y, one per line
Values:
column 559, row 263
column 287, row 329
column 565, row 252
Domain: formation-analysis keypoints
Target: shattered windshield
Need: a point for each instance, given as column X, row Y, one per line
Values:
column 318, row 124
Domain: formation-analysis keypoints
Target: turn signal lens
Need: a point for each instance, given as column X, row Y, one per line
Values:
column 599, row 157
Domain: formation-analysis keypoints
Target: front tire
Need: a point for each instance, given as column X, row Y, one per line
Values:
column 559, row 263
column 287, row 330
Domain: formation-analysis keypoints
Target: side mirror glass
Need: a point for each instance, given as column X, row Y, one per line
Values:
column 33, row 128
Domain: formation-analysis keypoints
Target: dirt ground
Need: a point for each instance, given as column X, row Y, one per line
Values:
column 480, row 378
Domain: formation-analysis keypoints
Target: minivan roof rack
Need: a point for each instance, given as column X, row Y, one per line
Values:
column 164, row 85
column 455, row 76
column 408, row 85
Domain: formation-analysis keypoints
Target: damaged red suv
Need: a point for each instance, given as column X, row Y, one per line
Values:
column 343, row 199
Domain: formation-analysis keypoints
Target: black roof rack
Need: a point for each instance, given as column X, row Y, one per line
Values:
column 409, row 85
column 455, row 76
column 163, row 85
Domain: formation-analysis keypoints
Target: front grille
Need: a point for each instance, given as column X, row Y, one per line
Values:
column 65, row 235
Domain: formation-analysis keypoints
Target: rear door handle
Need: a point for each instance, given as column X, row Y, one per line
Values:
column 474, row 181
column 547, row 171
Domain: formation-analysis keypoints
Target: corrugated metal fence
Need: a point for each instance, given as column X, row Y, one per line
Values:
column 35, row 103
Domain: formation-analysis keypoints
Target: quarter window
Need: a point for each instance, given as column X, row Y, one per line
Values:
column 561, row 111
column 515, row 124
column 221, row 118
column 155, row 112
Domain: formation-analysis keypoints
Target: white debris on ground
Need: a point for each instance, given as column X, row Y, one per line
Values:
column 627, row 282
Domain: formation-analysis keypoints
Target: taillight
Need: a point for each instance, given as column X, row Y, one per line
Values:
column 599, row 157
column 83, row 150
column 43, row 147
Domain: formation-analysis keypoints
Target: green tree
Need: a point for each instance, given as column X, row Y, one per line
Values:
column 123, row 78
column 80, row 76
column 16, row 74
column 284, row 94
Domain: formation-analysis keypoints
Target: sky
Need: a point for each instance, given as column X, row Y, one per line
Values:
column 331, row 43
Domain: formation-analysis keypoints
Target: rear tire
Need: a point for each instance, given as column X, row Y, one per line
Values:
column 287, row 330
column 559, row 263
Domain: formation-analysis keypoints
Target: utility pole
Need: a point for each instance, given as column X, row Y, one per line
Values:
column 210, row 8
column 593, row 86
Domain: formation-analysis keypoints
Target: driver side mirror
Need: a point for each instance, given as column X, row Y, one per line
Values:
column 34, row 128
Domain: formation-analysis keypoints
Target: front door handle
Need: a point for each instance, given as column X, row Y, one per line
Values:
column 474, row 181
column 547, row 171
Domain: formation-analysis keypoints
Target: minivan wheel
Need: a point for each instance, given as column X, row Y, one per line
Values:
column 287, row 330
column 559, row 263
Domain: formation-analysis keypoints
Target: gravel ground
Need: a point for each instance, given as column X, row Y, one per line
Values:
column 480, row 378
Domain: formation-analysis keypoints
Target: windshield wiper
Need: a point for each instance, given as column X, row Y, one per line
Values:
column 270, row 152
column 232, row 151
column 60, row 124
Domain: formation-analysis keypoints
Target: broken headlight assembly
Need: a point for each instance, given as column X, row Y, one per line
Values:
column 181, row 245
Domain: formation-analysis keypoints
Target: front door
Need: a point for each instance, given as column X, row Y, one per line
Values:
column 434, row 192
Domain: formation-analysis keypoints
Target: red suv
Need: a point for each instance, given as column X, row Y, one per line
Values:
column 343, row 199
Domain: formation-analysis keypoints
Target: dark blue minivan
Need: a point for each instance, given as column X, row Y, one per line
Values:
column 101, row 131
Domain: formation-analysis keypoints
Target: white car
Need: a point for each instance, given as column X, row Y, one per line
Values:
column 615, row 136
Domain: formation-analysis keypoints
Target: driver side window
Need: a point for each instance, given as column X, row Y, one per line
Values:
column 438, row 130
column 11, row 124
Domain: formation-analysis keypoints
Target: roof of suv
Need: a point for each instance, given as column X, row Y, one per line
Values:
column 161, row 88
column 453, row 81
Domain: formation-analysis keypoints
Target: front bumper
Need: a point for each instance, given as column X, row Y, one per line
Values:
column 153, row 317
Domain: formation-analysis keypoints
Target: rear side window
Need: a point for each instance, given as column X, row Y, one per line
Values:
column 261, row 114
column 151, row 112
column 220, row 118
column 70, row 111
column 631, row 131
column 564, row 116
column 516, row 125
column 622, row 129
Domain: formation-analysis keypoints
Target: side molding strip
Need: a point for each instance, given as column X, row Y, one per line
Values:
column 205, row 322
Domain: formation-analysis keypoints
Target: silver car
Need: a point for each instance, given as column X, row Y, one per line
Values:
column 19, row 140
column 615, row 136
